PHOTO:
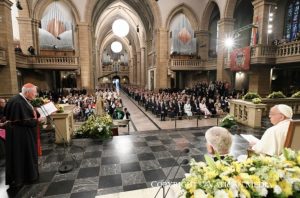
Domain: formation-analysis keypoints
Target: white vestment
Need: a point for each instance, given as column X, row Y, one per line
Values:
column 272, row 141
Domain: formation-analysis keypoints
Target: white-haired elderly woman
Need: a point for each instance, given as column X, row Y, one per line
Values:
column 218, row 141
column 272, row 141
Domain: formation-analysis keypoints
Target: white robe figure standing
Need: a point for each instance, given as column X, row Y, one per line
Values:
column 272, row 141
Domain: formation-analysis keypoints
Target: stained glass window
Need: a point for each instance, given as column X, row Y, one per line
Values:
column 292, row 20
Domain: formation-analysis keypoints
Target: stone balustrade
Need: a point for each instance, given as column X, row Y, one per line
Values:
column 56, row 60
column 292, row 102
column 247, row 113
column 186, row 64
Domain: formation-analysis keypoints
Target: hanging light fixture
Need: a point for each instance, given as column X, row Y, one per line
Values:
column 116, row 47
column 120, row 27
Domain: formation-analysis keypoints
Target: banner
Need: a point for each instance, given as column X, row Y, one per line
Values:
column 240, row 59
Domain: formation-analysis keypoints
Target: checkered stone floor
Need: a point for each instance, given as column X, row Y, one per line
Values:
column 122, row 163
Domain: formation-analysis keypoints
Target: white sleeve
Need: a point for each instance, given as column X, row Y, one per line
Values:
column 267, row 144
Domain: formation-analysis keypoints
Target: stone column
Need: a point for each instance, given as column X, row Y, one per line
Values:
column 262, row 8
column 134, row 69
column 226, row 26
column 29, row 34
column 260, row 80
column 85, row 55
column 202, row 43
column 138, row 68
column 143, row 67
column 131, row 76
column 161, row 58
column 8, row 74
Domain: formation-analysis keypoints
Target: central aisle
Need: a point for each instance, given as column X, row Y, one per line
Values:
column 138, row 118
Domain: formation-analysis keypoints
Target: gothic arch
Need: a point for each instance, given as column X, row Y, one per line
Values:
column 207, row 13
column 183, row 8
column 229, row 8
column 92, row 4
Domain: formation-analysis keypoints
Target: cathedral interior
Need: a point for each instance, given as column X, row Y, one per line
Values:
column 66, row 45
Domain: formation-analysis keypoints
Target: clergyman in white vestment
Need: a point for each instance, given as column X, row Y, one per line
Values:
column 272, row 141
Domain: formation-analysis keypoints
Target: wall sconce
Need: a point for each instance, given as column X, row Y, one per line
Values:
column 18, row 5
column 137, row 28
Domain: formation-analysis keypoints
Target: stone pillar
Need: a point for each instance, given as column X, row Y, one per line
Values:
column 138, row 68
column 8, row 74
column 131, row 77
column 262, row 8
column 85, row 55
column 202, row 43
column 162, row 58
column 143, row 67
column 134, row 69
column 225, row 27
column 29, row 34
column 260, row 80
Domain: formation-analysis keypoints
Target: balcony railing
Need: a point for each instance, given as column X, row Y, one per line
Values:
column 186, row 64
column 283, row 53
column 46, row 62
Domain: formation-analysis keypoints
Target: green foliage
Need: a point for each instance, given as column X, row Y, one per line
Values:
column 276, row 94
column 250, row 96
column 256, row 176
column 256, row 100
column 228, row 121
column 37, row 102
column 60, row 108
column 296, row 95
column 95, row 127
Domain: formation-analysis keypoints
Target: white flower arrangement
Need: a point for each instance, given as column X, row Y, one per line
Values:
column 257, row 176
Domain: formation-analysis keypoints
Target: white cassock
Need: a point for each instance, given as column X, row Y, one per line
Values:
column 272, row 141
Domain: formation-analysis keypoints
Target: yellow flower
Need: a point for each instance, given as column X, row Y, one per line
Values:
column 245, row 192
column 273, row 177
column 298, row 159
column 255, row 179
column 230, row 193
column 210, row 174
column 286, row 188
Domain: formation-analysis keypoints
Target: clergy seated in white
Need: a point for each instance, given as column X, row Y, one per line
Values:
column 218, row 141
column 272, row 141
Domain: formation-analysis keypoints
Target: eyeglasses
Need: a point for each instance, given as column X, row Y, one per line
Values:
column 273, row 114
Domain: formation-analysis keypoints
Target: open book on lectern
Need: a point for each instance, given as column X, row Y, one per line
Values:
column 46, row 109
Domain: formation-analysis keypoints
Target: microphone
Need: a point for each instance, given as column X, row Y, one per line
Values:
column 186, row 150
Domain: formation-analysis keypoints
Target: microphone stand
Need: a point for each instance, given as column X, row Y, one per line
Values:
column 186, row 150
column 63, row 168
column 184, row 162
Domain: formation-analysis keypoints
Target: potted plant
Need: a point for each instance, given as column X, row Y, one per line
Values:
column 228, row 121
column 251, row 95
column 96, row 127
column 296, row 95
column 256, row 100
column 276, row 94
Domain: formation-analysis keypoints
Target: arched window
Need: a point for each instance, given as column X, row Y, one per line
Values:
column 292, row 20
